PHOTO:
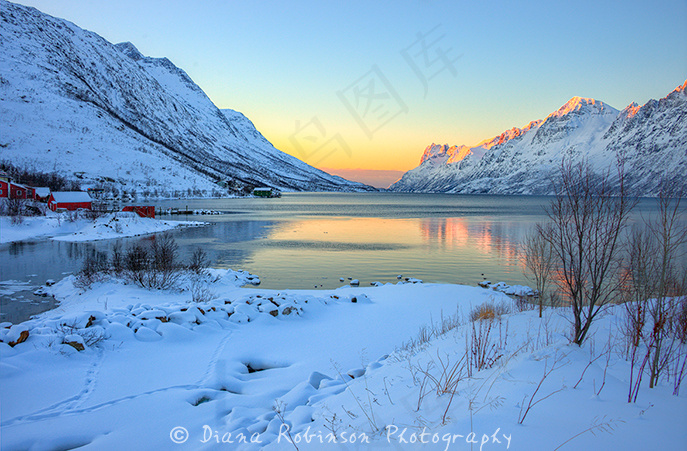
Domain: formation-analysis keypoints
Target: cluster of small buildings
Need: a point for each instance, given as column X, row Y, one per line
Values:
column 56, row 200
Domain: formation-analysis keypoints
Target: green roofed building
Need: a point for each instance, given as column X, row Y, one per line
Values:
column 266, row 192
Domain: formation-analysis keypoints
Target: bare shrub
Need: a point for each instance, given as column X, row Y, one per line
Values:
column 525, row 409
column 199, row 261
column 71, row 216
column 93, row 214
column 200, row 292
column 156, row 267
column 164, row 270
column 164, row 250
column 680, row 320
column 94, row 267
column 653, row 292
column 136, row 263
column 482, row 346
column 91, row 336
column 450, row 375
column 14, row 208
column 484, row 350
column 117, row 258
column 523, row 304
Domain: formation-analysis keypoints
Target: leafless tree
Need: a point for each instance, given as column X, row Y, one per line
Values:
column 654, row 289
column 538, row 258
column 587, row 218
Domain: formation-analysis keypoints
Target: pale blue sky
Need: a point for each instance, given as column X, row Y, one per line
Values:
column 509, row 63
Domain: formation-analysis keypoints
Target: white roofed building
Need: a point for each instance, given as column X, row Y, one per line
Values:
column 69, row 200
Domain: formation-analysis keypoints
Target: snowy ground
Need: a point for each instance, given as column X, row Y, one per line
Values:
column 62, row 227
column 158, row 369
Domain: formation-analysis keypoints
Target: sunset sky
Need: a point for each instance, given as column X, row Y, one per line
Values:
column 361, row 88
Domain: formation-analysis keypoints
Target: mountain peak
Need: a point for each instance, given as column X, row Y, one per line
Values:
column 679, row 93
column 631, row 109
column 433, row 151
column 156, row 130
column 580, row 105
column 441, row 154
column 129, row 50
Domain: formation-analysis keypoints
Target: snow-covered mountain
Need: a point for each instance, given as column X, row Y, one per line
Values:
column 651, row 140
column 74, row 103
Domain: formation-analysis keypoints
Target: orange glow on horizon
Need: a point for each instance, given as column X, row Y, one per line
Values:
column 379, row 178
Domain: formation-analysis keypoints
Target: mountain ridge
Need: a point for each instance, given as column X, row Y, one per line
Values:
column 74, row 103
column 650, row 139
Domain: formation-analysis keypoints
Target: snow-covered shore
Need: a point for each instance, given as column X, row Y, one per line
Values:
column 320, row 368
column 61, row 227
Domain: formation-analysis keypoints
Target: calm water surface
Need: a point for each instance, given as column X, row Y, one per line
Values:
column 311, row 240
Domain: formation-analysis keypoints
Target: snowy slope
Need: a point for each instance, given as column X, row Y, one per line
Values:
column 157, row 371
column 73, row 102
column 651, row 139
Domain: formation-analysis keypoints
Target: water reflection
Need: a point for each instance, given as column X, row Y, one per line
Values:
column 451, row 233
column 312, row 240
column 481, row 234
column 36, row 261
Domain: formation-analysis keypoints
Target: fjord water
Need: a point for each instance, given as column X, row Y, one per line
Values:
column 311, row 240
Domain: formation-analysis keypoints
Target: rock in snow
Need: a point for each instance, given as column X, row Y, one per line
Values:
column 651, row 139
column 71, row 101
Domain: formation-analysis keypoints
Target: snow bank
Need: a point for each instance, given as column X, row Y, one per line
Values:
column 35, row 227
column 271, row 366
column 109, row 226
column 511, row 290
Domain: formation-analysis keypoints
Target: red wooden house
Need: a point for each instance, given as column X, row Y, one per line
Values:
column 144, row 212
column 28, row 191
column 42, row 194
column 17, row 191
column 69, row 200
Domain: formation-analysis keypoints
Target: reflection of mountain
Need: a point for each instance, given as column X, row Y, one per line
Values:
column 447, row 232
column 485, row 236
column 222, row 241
